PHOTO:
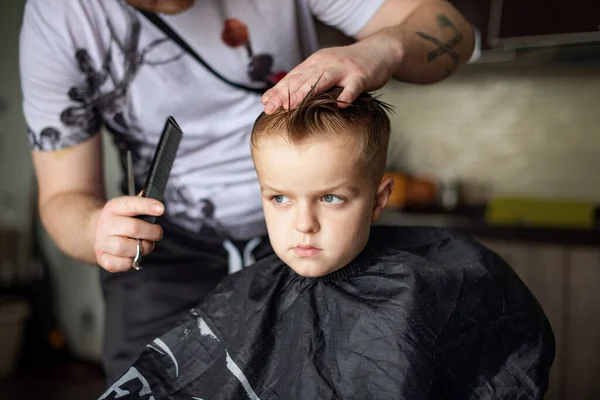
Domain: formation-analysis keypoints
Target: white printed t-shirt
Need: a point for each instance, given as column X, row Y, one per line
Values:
column 85, row 63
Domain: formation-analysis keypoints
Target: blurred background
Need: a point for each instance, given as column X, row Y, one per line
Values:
column 506, row 150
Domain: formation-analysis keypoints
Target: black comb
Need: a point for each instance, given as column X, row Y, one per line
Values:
column 160, row 169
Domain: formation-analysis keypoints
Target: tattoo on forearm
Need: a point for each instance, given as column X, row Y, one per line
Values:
column 443, row 47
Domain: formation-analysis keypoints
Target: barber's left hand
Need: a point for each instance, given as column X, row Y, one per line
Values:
column 363, row 66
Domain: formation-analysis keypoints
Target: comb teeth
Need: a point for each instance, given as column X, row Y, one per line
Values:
column 164, row 157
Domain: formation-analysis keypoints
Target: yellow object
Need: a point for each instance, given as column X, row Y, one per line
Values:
column 540, row 212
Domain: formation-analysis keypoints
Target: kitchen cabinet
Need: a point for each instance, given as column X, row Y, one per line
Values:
column 517, row 23
column 582, row 333
column 566, row 282
column 532, row 23
column 477, row 12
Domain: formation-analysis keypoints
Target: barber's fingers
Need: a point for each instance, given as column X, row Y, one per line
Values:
column 317, row 82
column 131, row 206
column 278, row 96
column 356, row 68
column 116, row 254
column 117, row 230
column 134, row 228
column 285, row 90
column 126, row 247
column 327, row 67
column 113, row 263
column 353, row 87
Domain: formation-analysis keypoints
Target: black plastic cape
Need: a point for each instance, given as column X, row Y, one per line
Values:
column 422, row 313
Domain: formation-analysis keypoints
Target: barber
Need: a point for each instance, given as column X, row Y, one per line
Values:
column 105, row 63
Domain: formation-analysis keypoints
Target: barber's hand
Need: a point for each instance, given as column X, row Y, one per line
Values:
column 364, row 66
column 116, row 231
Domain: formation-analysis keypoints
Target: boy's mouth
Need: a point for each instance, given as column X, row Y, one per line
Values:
column 306, row 250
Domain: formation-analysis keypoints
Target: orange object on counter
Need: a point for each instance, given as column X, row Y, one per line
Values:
column 421, row 191
column 398, row 196
column 410, row 190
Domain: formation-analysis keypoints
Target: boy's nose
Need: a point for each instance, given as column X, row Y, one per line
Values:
column 306, row 221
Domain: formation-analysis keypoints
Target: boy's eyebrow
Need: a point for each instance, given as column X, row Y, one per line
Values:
column 354, row 190
column 266, row 187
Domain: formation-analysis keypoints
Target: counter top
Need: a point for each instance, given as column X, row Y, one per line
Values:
column 476, row 226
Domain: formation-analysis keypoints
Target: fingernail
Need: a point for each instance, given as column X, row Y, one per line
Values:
column 157, row 208
column 265, row 99
column 269, row 108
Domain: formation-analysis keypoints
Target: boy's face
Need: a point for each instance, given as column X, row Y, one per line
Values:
column 318, row 204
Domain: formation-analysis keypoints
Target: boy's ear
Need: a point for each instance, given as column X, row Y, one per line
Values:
column 384, row 190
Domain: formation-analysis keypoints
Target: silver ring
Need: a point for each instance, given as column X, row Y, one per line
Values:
column 138, row 256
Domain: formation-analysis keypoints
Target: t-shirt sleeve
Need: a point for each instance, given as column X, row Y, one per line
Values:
column 349, row 16
column 57, row 101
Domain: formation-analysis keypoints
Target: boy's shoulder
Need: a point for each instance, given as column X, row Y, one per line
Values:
column 473, row 303
column 433, row 244
column 441, row 258
column 454, row 269
column 444, row 248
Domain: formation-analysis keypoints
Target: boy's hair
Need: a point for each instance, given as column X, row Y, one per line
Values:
column 366, row 120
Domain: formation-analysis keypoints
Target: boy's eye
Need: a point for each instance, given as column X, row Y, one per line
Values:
column 332, row 199
column 280, row 199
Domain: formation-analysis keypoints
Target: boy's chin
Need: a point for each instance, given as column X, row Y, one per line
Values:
column 312, row 268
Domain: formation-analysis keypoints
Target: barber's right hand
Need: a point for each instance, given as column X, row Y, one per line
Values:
column 117, row 231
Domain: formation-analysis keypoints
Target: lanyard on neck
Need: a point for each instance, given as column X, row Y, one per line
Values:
column 166, row 29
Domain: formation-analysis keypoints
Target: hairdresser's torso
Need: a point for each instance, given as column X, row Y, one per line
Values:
column 128, row 73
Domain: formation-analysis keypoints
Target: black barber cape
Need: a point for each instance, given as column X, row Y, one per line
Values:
column 422, row 313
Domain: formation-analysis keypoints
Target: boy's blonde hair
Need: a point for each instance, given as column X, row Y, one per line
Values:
column 366, row 120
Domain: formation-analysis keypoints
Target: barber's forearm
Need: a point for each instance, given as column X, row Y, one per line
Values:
column 430, row 44
column 70, row 219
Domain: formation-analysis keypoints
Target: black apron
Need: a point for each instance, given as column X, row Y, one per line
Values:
column 182, row 269
column 422, row 313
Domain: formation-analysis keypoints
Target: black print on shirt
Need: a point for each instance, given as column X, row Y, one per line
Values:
column 48, row 139
column 235, row 34
column 182, row 206
column 102, row 95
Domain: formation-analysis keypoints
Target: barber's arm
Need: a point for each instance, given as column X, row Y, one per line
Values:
column 67, row 156
column 75, row 214
column 417, row 41
column 70, row 192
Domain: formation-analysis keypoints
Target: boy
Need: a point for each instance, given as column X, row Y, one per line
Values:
column 342, row 311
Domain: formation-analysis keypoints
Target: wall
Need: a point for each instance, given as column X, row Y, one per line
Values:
column 503, row 129
column 76, row 286
column 15, row 167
